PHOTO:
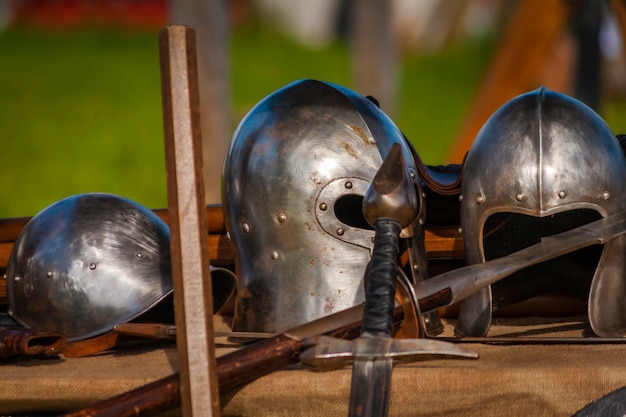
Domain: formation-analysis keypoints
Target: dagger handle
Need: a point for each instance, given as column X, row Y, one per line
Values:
column 380, row 283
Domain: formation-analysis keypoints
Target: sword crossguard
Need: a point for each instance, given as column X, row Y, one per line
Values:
column 330, row 353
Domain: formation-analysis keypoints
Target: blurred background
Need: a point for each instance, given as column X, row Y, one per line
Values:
column 80, row 93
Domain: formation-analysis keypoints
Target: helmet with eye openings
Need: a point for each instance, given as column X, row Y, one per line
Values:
column 293, row 183
column 542, row 164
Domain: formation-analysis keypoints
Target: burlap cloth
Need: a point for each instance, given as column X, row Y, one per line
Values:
column 507, row 380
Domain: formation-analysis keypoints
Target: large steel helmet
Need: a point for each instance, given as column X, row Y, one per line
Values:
column 294, row 178
column 542, row 164
column 86, row 263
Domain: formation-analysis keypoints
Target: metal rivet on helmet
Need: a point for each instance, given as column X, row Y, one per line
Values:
column 561, row 156
column 309, row 151
column 55, row 285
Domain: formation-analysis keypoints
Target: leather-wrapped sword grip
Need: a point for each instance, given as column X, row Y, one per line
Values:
column 380, row 283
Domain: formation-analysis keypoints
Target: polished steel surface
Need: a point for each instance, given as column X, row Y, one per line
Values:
column 391, row 194
column 86, row 263
column 541, row 154
column 294, row 178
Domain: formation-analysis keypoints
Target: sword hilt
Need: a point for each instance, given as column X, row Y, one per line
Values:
column 380, row 286
column 390, row 204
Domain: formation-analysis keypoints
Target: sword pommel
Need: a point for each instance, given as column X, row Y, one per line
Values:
column 391, row 194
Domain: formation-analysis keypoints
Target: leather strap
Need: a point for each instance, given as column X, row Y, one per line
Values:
column 441, row 179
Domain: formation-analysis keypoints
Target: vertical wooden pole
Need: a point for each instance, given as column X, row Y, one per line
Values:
column 210, row 20
column 519, row 58
column 374, row 55
column 619, row 8
column 188, row 223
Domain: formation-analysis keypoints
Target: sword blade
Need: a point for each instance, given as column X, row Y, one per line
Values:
column 370, row 387
column 371, row 376
column 463, row 282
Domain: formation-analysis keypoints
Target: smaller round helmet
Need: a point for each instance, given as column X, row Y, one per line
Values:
column 86, row 263
column 294, row 178
column 542, row 164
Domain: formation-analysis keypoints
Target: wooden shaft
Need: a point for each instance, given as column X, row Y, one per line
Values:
column 515, row 66
column 442, row 243
column 147, row 400
column 10, row 228
column 442, row 240
column 442, row 246
column 619, row 9
column 233, row 370
column 374, row 61
column 191, row 277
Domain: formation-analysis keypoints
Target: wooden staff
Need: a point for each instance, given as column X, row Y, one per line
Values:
column 233, row 369
column 271, row 354
column 519, row 57
column 193, row 294
column 10, row 228
column 443, row 243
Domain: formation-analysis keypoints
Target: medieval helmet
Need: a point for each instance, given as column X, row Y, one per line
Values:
column 86, row 263
column 293, row 183
column 542, row 164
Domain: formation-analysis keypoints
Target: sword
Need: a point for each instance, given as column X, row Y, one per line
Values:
column 329, row 352
column 268, row 355
column 373, row 353
column 458, row 284
column 390, row 204
column 453, row 286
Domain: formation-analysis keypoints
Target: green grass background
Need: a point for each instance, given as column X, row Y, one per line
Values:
column 80, row 111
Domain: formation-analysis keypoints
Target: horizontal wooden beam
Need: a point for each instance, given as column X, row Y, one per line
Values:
column 441, row 243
